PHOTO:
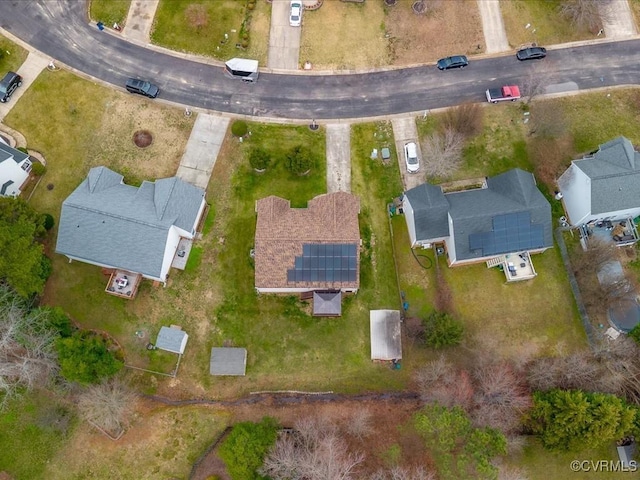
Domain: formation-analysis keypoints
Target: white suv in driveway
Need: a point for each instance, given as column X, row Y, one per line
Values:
column 411, row 157
column 295, row 14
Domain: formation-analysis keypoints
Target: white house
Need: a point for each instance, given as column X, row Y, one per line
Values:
column 14, row 170
column 603, row 186
column 137, row 229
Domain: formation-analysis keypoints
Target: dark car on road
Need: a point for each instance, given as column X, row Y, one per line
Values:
column 8, row 84
column 531, row 53
column 142, row 88
column 456, row 61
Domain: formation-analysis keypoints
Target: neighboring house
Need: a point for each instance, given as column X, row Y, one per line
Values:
column 308, row 249
column 603, row 186
column 137, row 229
column 501, row 222
column 14, row 170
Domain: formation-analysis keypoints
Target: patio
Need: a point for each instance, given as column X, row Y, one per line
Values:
column 123, row 284
column 182, row 253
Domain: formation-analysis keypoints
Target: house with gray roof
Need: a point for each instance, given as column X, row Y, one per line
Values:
column 603, row 186
column 107, row 223
column 502, row 221
column 14, row 170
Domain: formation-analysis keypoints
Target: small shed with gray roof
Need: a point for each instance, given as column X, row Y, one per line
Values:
column 172, row 339
column 327, row 304
column 228, row 361
column 386, row 334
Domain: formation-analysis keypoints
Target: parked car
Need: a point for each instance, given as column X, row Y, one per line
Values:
column 456, row 61
column 411, row 157
column 9, row 83
column 141, row 87
column 531, row 53
column 295, row 14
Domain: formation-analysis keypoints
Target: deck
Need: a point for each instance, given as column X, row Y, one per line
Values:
column 621, row 232
column 123, row 284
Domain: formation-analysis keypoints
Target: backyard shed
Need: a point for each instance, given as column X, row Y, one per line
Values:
column 327, row 304
column 386, row 339
column 228, row 361
column 172, row 339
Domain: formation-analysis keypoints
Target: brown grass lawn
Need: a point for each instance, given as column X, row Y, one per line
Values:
column 550, row 27
column 454, row 29
column 343, row 35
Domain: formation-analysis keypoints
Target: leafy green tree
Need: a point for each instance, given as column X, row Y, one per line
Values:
column 259, row 158
column 442, row 330
column 460, row 450
column 635, row 334
column 23, row 264
column 575, row 420
column 58, row 320
column 85, row 358
column 243, row 451
column 299, row 160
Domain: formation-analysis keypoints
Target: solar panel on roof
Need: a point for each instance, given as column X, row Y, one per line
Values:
column 325, row 263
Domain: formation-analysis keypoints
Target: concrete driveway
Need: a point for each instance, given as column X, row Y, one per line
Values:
column 284, row 40
column 338, row 157
column 495, row 36
column 29, row 70
column 405, row 130
column 617, row 19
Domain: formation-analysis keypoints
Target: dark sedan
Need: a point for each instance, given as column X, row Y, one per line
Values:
column 456, row 61
column 531, row 53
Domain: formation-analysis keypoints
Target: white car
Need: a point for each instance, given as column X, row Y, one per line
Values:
column 411, row 157
column 295, row 16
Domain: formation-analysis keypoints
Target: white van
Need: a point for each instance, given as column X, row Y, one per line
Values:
column 242, row 68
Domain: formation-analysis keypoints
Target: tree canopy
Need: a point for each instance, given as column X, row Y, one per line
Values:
column 85, row 358
column 23, row 265
column 442, row 330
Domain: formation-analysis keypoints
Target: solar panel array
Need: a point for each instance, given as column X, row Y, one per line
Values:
column 325, row 263
column 511, row 232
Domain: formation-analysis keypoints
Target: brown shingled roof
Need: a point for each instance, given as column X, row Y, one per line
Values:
column 281, row 232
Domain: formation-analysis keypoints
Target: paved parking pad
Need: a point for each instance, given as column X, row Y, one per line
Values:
column 29, row 70
column 284, row 40
column 339, row 157
column 404, row 131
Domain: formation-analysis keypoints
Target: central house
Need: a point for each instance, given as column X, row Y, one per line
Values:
column 308, row 249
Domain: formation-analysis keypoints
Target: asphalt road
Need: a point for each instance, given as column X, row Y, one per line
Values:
column 61, row 30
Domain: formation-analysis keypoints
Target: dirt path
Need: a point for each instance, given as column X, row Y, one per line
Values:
column 495, row 36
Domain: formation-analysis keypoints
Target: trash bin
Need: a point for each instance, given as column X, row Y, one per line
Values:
column 100, row 26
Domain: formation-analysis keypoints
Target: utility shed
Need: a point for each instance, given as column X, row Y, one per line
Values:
column 228, row 361
column 386, row 338
column 172, row 339
column 327, row 304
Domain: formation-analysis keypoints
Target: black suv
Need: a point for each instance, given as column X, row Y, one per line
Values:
column 142, row 88
column 9, row 83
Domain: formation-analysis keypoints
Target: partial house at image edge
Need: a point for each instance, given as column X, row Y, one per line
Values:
column 308, row 249
column 107, row 223
column 507, row 215
column 603, row 185
column 14, row 170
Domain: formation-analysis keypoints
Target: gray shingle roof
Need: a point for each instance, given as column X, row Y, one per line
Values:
column 327, row 304
column 430, row 211
column 473, row 211
column 106, row 222
column 9, row 153
column 170, row 339
column 615, row 176
column 228, row 361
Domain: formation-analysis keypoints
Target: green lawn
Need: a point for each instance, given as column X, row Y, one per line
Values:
column 109, row 11
column 543, row 17
column 11, row 55
column 187, row 26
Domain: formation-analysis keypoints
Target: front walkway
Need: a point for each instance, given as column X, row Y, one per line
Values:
column 29, row 70
column 617, row 19
column 137, row 27
column 495, row 36
column 338, row 157
column 202, row 149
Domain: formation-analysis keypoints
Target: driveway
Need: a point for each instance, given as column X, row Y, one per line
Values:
column 284, row 40
column 140, row 20
column 495, row 36
column 617, row 19
column 338, row 157
column 29, row 70
column 405, row 130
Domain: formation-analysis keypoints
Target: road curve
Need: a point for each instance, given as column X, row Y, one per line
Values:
column 61, row 31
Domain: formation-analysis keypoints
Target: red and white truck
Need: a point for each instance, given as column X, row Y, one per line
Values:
column 508, row 92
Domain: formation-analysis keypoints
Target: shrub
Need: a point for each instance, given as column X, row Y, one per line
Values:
column 259, row 158
column 243, row 451
column 85, row 358
column 23, row 150
column 635, row 334
column 58, row 320
column 442, row 330
column 239, row 128
column 38, row 169
column 48, row 221
column 299, row 160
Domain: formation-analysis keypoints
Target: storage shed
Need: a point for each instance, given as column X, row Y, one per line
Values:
column 228, row 361
column 172, row 339
column 386, row 334
column 327, row 304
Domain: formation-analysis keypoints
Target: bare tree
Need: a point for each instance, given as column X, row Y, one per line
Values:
column 27, row 354
column 360, row 423
column 583, row 14
column 466, row 119
column 108, row 406
column 440, row 382
column 442, row 153
column 599, row 252
column 535, row 83
column 402, row 473
column 547, row 120
column 314, row 451
column 502, row 396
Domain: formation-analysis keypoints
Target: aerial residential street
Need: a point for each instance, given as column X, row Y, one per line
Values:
column 60, row 30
